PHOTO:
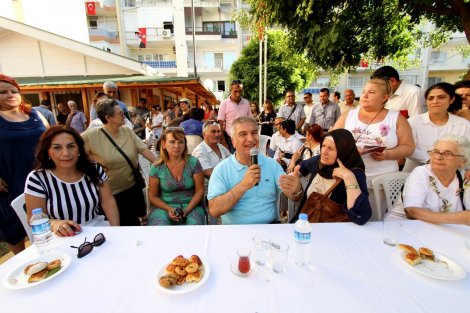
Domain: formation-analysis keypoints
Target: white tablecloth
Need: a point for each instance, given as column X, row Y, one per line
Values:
column 353, row 271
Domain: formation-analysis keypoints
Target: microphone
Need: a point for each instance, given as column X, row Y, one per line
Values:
column 254, row 157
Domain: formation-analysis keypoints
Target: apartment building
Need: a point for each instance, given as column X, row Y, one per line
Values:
column 159, row 33
column 442, row 64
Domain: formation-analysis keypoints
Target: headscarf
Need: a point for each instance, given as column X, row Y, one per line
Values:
column 346, row 151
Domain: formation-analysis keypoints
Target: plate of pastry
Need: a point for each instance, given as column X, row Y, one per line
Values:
column 182, row 275
column 431, row 264
column 37, row 271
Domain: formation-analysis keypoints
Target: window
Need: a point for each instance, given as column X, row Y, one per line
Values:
column 434, row 80
column 220, row 85
column 411, row 79
column 356, row 84
column 438, row 57
column 218, row 60
column 93, row 23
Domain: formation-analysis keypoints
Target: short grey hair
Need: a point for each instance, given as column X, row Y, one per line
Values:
column 462, row 143
column 208, row 124
column 243, row 120
column 105, row 108
column 110, row 84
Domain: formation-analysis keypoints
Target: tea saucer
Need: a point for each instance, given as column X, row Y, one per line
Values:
column 234, row 269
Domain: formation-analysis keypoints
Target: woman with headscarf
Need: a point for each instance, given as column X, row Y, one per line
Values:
column 337, row 181
column 20, row 129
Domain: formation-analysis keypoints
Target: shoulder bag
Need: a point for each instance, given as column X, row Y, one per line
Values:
column 139, row 179
column 321, row 209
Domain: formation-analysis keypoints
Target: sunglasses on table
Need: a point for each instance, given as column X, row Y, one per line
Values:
column 86, row 247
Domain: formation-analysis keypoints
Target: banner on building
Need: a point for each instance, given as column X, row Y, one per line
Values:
column 142, row 35
column 90, row 8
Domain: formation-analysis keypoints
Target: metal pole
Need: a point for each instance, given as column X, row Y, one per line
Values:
column 194, row 37
column 260, row 70
column 265, row 66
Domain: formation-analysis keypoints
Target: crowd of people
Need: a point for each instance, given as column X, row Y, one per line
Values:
column 209, row 164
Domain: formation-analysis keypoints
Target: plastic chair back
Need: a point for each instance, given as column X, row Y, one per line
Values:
column 18, row 206
column 391, row 183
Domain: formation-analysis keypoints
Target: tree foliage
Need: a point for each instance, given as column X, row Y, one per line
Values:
column 286, row 69
column 337, row 34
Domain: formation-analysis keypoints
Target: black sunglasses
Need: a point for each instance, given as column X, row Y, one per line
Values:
column 236, row 82
column 87, row 247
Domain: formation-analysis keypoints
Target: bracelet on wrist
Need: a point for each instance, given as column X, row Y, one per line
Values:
column 354, row 186
column 298, row 193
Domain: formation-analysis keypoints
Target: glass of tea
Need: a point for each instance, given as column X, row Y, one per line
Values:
column 243, row 260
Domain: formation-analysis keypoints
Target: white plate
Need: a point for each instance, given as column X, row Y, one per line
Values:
column 186, row 287
column 442, row 268
column 16, row 279
column 467, row 244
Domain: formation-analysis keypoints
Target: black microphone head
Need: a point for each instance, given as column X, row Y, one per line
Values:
column 254, row 151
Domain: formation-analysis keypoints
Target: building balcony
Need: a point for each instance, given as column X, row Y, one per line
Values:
column 108, row 9
column 212, row 32
column 161, row 64
column 154, row 34
column 101, row 34
column 146, row 3
column 203, row 3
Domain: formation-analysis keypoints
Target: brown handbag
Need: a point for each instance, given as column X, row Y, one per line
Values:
column 321, row 209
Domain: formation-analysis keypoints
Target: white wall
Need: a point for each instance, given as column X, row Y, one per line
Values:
column 65, row 18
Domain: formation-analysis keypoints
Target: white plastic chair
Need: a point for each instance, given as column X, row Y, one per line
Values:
column 18, row 206
column 192, row 141
column 391, row 184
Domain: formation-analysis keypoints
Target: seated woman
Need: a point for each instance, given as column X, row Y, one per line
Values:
column 434, row 192
column 176, row 185
column 310, row 148
column 67, row 185
column 338, row 178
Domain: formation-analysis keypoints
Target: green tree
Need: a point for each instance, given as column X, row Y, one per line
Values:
column 337, row 34
column 286, row 69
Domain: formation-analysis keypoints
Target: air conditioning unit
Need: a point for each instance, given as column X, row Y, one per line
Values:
column 166, row 33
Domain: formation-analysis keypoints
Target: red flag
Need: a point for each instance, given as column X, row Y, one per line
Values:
column 90, row 8
column 364, row 63
column 143, row 37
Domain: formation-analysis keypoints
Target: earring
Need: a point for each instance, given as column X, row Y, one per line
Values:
column 49, row 158
column 79, row 154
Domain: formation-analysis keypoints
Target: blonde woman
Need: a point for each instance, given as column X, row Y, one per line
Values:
column 176, row 185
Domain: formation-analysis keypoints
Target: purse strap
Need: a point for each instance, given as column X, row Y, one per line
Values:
column 118, row 149
column 330, row 190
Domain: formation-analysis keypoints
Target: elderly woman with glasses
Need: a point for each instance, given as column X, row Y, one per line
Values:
column 176, row 186
column 435, row 192
column 107, row 146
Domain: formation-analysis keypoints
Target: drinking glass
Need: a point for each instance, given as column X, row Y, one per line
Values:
column 243, row 260
column 279, row 254
column 261, row 249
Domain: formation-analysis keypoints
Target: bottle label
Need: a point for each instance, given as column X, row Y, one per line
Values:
column 302, row 237
column 41, row 228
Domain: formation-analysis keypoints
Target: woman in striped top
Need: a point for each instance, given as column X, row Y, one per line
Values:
column 67, row 185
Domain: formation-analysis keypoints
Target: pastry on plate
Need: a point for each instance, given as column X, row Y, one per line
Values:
column 426, row 253
column 407, row 248
column 195, row 259
column 38, row 276
column 194, row 277
column 35, row 268
column 412, row 258
column 54, row 264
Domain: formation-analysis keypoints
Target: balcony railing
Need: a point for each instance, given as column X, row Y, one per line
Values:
column 161, row 64
column 112, row 34
column 146, row 3
column 202, row 3
column 212, row 31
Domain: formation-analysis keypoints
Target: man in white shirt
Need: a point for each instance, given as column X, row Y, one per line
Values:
column 210, row 152
column 349, row 102
column 289, row 144
column 276, row 138
column 308, row 107
column 406, row 98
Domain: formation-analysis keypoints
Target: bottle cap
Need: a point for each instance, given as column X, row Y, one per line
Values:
column 36, row 211
column 303, row 216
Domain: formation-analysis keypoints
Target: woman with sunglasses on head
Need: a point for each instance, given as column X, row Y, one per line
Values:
column 337, row 180
column 435, row 192
column 310, row 148
column 266, row 118
column 176, row 186
column 430, row 126
column 102, row 145
column 20, row 129
column 67, row 185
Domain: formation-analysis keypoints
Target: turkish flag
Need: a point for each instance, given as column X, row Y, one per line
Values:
column 364, row 63
column 90, row 8
column 143, row 37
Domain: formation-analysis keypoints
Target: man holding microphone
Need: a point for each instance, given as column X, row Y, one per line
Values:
column 241, row 192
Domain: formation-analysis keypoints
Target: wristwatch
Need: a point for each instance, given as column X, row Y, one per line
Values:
column 298, row 193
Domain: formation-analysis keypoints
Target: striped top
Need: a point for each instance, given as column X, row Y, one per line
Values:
column 78, row 201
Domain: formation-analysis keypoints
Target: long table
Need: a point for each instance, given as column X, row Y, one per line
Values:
column 351, row 271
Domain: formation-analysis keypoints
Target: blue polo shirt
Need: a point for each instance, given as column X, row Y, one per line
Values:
column 257, row 205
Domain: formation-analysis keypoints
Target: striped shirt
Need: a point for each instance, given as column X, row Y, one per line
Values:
column 78, row 201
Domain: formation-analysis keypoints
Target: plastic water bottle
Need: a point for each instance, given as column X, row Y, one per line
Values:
column 302, row 234
column 41, row 229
